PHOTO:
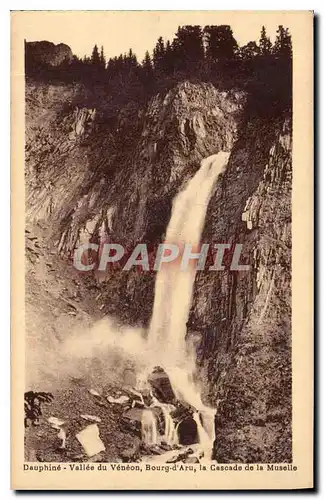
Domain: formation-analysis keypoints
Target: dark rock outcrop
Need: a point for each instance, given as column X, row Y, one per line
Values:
column 161, row 385
column 47, row 53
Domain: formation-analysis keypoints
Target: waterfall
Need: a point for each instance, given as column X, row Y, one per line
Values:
column 149, row 428
column 173, row 295
column 173, row 287
column 170, row 431
column 204, row 438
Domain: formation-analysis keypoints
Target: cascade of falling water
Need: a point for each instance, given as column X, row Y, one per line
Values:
column 149, row 428
column 170, row 431
column 174, row 288
column 205, row 441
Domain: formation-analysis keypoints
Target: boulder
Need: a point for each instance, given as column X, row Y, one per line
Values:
column 90, row 440
column 161, row 385
column 131, row 453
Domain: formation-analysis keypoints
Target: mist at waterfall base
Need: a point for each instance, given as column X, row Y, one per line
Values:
column 118, row 348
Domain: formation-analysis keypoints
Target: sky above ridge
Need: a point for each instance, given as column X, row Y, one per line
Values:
column 117, row 31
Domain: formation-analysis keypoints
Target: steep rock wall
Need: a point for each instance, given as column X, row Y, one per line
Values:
column 85, row 178
column 247, row 314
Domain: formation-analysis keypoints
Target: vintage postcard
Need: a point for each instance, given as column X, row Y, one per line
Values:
column 162, row 246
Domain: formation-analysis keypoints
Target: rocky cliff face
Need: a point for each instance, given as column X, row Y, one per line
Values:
column 87, row 177
column 47, row 53
column 248, row 319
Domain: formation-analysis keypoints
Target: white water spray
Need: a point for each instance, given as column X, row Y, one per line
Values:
column 170, row 431
column 149, row 428
column 203, row 436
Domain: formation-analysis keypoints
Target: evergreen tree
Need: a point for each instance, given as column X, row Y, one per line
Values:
column 147, row 63
column 95, row 57
column 188, row 46
column 158, row 55
column 169, row 60
column 147, row 70
column 102, row 58
column 220, row 43
column 264, row 43
column 249, row 51
column 131, row 59
column 283, row 46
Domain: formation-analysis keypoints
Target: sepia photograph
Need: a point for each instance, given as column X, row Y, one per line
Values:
column 157, row 212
